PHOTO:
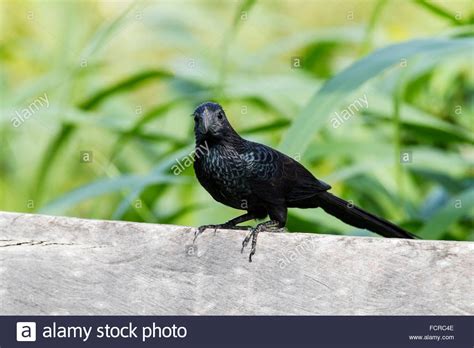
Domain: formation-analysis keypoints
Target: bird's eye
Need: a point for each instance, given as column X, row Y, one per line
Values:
column 219, row 116
column 196, row 119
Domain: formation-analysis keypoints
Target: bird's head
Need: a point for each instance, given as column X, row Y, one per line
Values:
column 210, row 123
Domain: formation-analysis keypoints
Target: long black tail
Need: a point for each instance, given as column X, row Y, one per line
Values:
column 357, row 217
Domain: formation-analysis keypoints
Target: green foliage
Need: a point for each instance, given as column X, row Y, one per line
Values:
column 121, row 83
column 338, row 89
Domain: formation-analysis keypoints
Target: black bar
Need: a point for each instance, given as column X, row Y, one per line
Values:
column 244, row 331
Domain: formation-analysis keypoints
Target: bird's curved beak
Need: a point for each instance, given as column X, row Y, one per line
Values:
column 205, row 121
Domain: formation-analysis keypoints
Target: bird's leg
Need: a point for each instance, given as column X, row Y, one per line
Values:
column 264, row 226
column 231, row 225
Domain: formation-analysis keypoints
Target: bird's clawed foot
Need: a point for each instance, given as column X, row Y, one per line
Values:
column 202, row 228
column 226, row 225
column 247, row 239
column 253, row 233
column 269, row 226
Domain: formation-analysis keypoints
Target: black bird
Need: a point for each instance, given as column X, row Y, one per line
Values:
column 249, row 176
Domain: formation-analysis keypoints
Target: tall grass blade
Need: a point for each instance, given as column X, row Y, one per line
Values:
column 104, row 186
column 336, row 90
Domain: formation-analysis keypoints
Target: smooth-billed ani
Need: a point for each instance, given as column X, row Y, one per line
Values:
column 265, row 182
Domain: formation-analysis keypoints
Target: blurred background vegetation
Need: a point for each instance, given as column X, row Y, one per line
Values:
column 122, row 78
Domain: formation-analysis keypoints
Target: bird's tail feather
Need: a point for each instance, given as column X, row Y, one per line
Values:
column 357, row 217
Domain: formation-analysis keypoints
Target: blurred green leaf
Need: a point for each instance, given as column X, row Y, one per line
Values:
column 106, row 32
column 278, row 124
column 340, row 87
column 452, row 211
column 438, row 10
column 164, row 165
column 67, row 130
column 299, row 41
column 136, row 130
column 244, row 7
column 375, row 16
column 49, row 155
column 417, row 120
column 104, row 186
column 124, row 85
column 229, row 35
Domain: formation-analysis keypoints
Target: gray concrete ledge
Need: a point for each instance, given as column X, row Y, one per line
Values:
column 61, row 265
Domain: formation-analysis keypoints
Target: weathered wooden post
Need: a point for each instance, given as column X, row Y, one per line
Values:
column 61, row 265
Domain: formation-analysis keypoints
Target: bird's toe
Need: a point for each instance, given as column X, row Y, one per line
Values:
column 247, row 239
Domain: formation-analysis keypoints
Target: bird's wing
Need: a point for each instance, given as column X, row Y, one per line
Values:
column 274, row 174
